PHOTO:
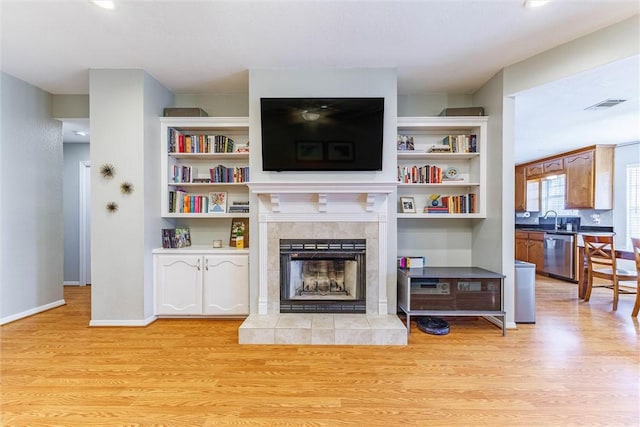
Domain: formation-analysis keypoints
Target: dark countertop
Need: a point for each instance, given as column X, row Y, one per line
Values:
column 549, row 229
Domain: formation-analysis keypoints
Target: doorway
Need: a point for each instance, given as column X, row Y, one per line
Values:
column 85, row 222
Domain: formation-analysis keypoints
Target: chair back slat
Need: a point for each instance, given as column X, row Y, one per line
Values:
column 600, row 251
column 635, row 242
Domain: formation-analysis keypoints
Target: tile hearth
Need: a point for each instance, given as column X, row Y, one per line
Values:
column 323, row 329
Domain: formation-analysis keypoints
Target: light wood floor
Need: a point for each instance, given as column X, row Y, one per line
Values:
column 577, row 366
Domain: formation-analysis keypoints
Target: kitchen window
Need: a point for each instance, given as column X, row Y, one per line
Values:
column 552, row 195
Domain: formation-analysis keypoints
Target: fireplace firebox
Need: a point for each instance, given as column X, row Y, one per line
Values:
column 322, row 276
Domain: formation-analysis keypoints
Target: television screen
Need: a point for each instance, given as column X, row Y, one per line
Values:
column 322, row 134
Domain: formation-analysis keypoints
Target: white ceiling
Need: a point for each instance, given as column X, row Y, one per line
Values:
column 437, row 46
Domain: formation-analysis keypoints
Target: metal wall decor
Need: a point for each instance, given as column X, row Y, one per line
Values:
column 107, row 171
column 126, row 188
column 112, row 207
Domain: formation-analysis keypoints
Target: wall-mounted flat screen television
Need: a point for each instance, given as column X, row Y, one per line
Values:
column 322, row 134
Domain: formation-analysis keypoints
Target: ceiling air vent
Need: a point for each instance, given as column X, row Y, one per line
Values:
column 607, row 103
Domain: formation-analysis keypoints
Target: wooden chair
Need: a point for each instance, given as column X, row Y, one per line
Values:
column 601, row 263
column 636, row 253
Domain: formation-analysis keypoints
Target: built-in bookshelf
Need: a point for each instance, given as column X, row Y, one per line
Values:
column 441, row 167
column 205, row 167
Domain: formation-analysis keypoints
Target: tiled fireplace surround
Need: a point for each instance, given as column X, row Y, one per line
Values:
column 322, row 211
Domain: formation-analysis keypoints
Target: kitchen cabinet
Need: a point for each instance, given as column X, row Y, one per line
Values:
column 201, row 283
column 226, row 284
column 527, row 192
column 553, row 165
column 529, row 247
column 589, row 179
column 535, row 169
column 520, row 189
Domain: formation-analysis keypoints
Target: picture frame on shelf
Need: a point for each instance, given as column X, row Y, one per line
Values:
column 217, row 202
column 183, row 237
column 239, row 225
column 405, row 143
column 407, row 205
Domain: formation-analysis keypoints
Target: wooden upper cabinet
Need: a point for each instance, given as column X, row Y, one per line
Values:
column 535, row 169
column 589, row 179
column 554, row 165
column 520, row 189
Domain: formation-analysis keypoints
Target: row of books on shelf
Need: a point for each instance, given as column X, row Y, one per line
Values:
column 176, row 237
column 464, row 203
column 198, row 143
column 456, row 144
column 411, row 262
column 223, row 173
column 426, row 174
column 218, row 174
column 215, row 202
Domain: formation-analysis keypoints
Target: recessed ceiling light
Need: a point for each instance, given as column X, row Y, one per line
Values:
column 529, row 4
column 105, row 4
column 81, row 133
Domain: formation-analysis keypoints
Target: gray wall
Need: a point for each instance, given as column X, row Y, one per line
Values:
column 31, row 201
column 125, row 132
column 72, row 154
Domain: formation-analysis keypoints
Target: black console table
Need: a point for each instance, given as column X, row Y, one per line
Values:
column 451, row 291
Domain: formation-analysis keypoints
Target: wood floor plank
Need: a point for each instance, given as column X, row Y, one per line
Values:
column 578, row 365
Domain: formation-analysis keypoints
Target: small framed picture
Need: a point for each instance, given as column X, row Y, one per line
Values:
column 407, row 205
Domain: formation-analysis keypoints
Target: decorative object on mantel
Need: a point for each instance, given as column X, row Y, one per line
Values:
column 107, row 171
column 112, row 207
column 126, row 188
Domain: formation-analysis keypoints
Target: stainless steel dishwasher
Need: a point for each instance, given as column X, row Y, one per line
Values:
column 559, row 253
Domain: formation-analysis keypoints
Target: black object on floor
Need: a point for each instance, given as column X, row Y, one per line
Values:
column 433, row 325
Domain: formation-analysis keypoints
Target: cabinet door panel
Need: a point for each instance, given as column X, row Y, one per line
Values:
column 555, row 165
column 520, row 189
column 522, row 249
column 579, row 171
column 226, row 284
column 535, row 170
column 536, row 254
column 179, row 284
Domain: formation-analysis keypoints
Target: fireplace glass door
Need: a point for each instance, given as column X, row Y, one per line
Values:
column 323, row 276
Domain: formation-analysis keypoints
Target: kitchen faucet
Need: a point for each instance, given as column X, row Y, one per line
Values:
column 555, row 214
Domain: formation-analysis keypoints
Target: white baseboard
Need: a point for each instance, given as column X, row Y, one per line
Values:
column 134, row 323
column 31, row 312
column 72, row 283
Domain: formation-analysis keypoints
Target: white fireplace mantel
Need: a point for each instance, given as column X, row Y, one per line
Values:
column 323, row 197
column 291, row 203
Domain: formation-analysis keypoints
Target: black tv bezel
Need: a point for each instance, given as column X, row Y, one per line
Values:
column 335, row 148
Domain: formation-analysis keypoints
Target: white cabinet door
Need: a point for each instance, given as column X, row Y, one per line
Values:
column 178, row 284
column 226, row 284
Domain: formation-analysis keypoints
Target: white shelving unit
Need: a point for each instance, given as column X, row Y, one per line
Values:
column 429, row 131
column 200, row 280
column 236, row 128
